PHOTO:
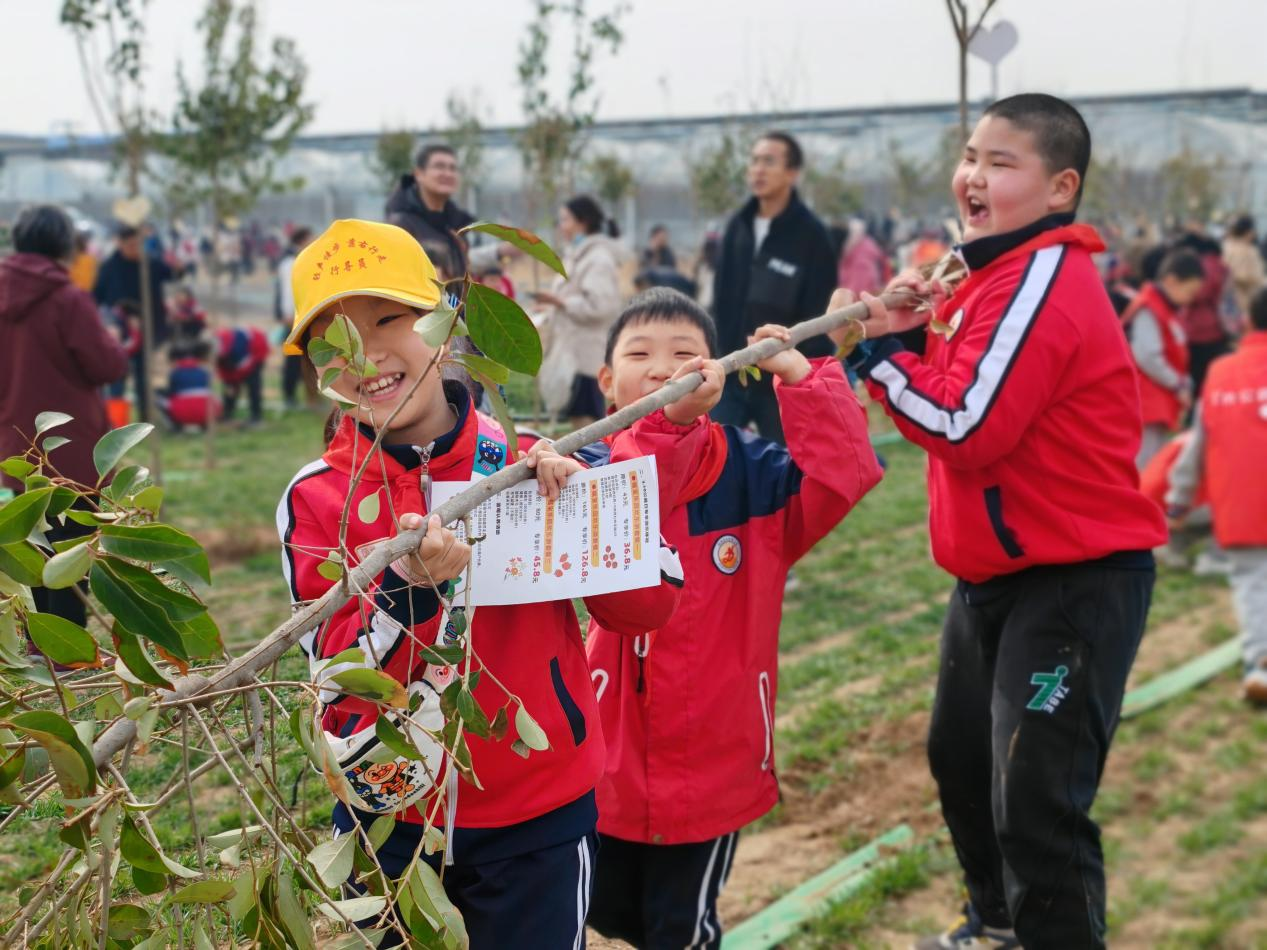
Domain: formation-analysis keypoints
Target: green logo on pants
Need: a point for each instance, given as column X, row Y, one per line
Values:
column 1051, row 690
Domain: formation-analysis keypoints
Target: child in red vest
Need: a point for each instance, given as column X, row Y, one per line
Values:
column 240, row 363
column 1228, row 446
column 1027, row 404
column 1160, row 348
column 519, row 848
column 688, row 709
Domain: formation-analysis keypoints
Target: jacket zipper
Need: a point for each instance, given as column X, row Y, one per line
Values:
column 767, row 716
column 424, row 472
column 640, row 646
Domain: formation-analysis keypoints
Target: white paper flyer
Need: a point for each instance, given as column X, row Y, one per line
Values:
column 601, row 535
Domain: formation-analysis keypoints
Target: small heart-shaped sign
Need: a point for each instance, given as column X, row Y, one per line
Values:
column 132, row 211
column 992, row 43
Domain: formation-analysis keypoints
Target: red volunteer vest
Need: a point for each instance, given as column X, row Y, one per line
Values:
column 1234, row 414
column 1160, row 405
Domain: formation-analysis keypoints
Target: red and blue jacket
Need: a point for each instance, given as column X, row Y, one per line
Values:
column 535, row 650
column 1028, row 407
column 189, row 399
column 688, row 711
column 242, row 351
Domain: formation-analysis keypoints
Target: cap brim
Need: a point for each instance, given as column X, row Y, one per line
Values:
column 291, row 345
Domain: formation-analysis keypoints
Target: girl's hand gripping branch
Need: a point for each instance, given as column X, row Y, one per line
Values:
column 440, row 556
column 553, row 469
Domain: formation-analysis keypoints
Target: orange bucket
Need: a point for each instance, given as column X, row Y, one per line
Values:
column 118, row 411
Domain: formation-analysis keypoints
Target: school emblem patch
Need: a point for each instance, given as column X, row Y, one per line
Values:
column 727, row 554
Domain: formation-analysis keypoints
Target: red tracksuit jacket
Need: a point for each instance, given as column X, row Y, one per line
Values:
column 1030, row 411
column 688, row 713
column 534, row 649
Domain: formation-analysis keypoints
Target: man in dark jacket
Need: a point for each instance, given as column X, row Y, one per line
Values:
column 55, row 354
column 777, row 266
column 119, row 279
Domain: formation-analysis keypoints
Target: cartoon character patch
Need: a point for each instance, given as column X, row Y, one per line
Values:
column 490, row 456
column 727, row 554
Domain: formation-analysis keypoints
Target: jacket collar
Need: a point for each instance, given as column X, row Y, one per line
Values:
column 985, row 251
column 452, row 451
column 794, row 205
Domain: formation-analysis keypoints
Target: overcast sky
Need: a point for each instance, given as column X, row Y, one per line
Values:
column 378, row 64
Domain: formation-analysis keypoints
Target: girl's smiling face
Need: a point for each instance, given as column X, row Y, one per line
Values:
column 401, row 357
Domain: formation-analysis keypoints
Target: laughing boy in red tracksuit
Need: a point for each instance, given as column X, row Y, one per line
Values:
column 521, row 846
column 688, row 710
column 1027, row 405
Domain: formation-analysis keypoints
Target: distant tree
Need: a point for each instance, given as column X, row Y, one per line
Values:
column 613, row 180
column 965, row 30
column 393, row 156
column 552, row 139
column 465, row 133
column 717, row 173
column 829, row 191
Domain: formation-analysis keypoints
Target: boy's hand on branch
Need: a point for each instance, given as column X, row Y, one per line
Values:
column 440, row 556
column 880, row 320
column 701, row 401
column 791, row 366
column 552, row 468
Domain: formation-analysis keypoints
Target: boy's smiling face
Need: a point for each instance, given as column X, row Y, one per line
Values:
column 646, row 356
column 1002, row 182
column 401, row 357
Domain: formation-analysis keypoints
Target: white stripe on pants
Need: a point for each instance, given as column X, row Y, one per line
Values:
column 584, row 885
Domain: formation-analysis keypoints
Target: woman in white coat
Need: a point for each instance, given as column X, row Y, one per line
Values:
column 581, row 310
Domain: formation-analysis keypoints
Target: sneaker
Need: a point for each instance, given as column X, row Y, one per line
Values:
column 1212, row 564
column 1254, row 685
column 970, row 933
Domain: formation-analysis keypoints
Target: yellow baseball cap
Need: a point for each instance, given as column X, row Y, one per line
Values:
column 359, row 257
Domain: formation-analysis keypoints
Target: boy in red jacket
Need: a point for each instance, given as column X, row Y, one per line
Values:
column 1028, row 407
column 688, row 709
column 520, row 846
column 1160, row 348
column 1229, row 444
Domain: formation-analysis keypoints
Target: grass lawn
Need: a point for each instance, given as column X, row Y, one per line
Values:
column 1184, row 802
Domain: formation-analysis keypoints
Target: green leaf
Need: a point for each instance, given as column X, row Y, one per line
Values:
column 107, row 707
column 71, row 761
column 437, row 326
column 159, row 544
column 11, row 770
column 205, row 892
column 354, row 908
column 394, row 739
column 321, row 352
column 502, row 331
column 174, row 603
column 332, row 567
column 136, row 660
column 50, row 420
column 533, row 735
column 19, row 517
column 134, row 612
column 374, row 685
column 443, row 655
column 136, row 707
column 520, row 748
column 62, row 641
column 149, row 499
column 368, row 508
column 332, row 860
column 526, row 241
column 380, row 830
column 147, row 882
column 61, row 499
column 504, row 418
column 68, row 568
column 75, row 836
column 126, row 922
column 137, row 850
column 126, row 481
column 115, row 444
column 482, row 366
column 472, row 715
column 429, row 894
column 201, row 637
column 291, row 912
column 54, row 442
column 22, row 562
column 17, row 467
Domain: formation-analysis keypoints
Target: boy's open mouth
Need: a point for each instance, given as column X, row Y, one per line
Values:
column 978, row 211
column 382, row 387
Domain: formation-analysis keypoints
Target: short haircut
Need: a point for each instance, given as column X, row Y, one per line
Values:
column 125, row 232
column 197, row 348
column 658, row 229
column 435, row 148
column 301, row 235
column 1243, row 226
column 795, row 157
column 46, row 230
column 1060, row 133
column 1258, row 310
column 1181, row 265
column 662, row 305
